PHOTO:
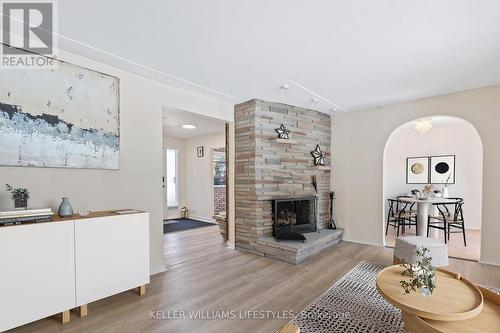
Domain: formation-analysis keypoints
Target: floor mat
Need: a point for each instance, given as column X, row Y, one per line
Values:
column 184, row 224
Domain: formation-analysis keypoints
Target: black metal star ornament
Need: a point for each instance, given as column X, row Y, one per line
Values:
column 319, row 156
column 283, row 132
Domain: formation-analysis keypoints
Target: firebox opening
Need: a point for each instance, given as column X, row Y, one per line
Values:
column 294, row 217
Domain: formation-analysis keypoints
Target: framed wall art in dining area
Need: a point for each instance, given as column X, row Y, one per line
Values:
column 442, row 169
column 417, row 170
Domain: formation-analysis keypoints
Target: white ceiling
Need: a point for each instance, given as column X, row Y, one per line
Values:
column 354, row 54
column 173, row 119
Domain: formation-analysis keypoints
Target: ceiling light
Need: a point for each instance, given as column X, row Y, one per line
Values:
column 423, row 125
column 285, row 88
column 189, row 126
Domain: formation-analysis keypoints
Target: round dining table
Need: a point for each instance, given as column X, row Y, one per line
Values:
column 424, row 209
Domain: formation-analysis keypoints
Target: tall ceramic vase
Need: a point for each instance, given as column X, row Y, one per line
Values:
column 445, row 192
column 65, row 208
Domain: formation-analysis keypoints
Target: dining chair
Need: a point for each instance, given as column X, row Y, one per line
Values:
column 400, row 215
column 392, row 219
column 409, row 209
column 411, row 205
column 450, row 216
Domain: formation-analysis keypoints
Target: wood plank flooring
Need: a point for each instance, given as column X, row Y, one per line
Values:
column 204, row 275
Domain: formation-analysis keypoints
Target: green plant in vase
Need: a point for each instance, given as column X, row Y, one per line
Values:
column 19, row 195
column 422, row 274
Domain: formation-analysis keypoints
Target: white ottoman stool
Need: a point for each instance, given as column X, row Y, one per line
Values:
column 407, row 246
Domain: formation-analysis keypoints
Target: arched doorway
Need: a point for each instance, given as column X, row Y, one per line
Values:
column 427, row 143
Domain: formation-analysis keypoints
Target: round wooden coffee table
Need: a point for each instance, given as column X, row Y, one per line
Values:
column 454, row 298
column 488, row 321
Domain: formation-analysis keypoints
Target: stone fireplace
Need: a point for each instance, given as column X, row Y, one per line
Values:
column 269, row 169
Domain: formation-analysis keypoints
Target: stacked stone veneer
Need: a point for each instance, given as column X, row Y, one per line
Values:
column 267, row 169
column 219, row 199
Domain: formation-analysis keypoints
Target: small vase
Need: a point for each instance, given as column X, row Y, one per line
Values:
column 445, row 192
column 425, row 292
column 65, row 208
column 20, row 203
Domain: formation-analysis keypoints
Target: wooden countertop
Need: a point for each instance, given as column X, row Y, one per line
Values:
column 57, row 218
column 102, row 213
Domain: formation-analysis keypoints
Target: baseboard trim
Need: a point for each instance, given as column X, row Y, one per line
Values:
column 157, row 270
column 487, row 262
column 202, row 218
column 231, row 246
column 353, row 240
column 170, row 218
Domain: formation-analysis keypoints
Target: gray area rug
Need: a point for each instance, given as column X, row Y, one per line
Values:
column 353, row 305
column 184, row 224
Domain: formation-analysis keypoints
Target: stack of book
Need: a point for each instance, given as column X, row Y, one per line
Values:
column 26, row 216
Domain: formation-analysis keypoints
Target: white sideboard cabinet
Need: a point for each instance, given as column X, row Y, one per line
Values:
column 49, row 268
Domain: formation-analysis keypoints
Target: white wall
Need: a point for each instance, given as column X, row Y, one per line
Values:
column 137, row 184
column 199, row 174
column 449, row 136
column 358, row 142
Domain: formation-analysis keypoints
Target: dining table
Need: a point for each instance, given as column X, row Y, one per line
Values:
column 424, row 206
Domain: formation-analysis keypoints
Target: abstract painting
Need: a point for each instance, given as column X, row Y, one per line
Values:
column 443, row 169
column 68, row 118
column 417, row 170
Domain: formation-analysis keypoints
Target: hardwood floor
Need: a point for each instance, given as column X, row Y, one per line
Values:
column 188, row 245
column 204, row 275
column 456, row 246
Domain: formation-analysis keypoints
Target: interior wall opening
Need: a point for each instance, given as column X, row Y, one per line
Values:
column 195, row 191
column 432, row 159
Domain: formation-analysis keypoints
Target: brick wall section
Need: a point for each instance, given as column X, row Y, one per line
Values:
column 219, row 199
column 267, row 170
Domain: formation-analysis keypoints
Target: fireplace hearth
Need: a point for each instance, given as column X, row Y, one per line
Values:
column 292, row 217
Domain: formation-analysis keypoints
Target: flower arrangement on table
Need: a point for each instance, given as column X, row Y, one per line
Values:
column 422, row 274
column 427, row 191
column 445, row 186
column 447, row 181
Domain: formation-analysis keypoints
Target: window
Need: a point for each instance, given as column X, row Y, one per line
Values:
column 219, row 165
column 171, row 181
